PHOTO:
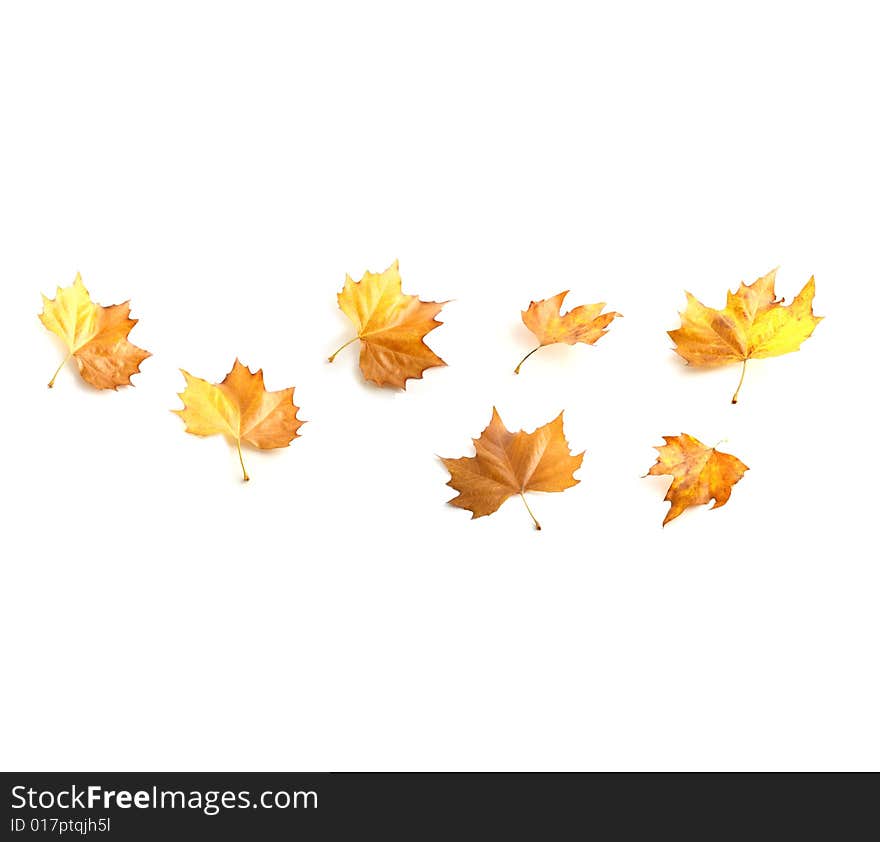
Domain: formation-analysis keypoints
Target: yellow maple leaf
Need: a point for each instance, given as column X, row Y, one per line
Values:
column 754, row 324
column 391, row 327
column 512, row 463
column 96, row 336
column 699, row 473
column 545, row 319
column 239, row 407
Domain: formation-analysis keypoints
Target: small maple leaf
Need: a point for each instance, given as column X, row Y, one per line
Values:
column 699, row 473
column 512, row 463
column 391, row 327
column 241, row 408
column 752, row 325
column 584, row 324
column 96, row 336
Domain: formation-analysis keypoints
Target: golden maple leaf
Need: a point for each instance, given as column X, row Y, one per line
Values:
column 699, row 473
column 391, row 327
column 752, row 325
column 512, row 463
column 96, row 336
column 584, row 324
column 241, row 408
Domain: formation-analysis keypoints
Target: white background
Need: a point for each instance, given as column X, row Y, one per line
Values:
column 223, row 166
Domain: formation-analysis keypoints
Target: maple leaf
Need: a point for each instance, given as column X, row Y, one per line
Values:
column 699, row 473
column 391, row 327
column 752, row 325
column 585, row 324
column 512, row 463
column 240, row 408
column 96, row 336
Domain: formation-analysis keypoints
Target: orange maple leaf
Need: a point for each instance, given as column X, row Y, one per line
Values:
column 752, row 325
column 512, row 463
column 240, row 408
column 391, row 327
column 96, row 336
column 699, row 473
column 585, row 324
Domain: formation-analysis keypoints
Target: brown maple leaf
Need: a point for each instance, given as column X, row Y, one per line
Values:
column 512, row 463
column 96, row 336
column 754, row 324
column 240, row 408
column 391, row 327
column 586, row 323
column 699, row 473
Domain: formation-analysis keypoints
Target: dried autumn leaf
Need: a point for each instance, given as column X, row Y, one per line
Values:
column 699, row 473
column 752, row 325
column 391, row 327
column 240, row 408
column 96, row 336
column 545, row 319
column 512, row 463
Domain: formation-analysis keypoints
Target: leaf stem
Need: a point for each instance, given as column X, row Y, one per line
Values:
column 528, row 509
column 240, row 459
column 57, row 370
column 516, row 370
column 739, row 386
column 333, row 355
